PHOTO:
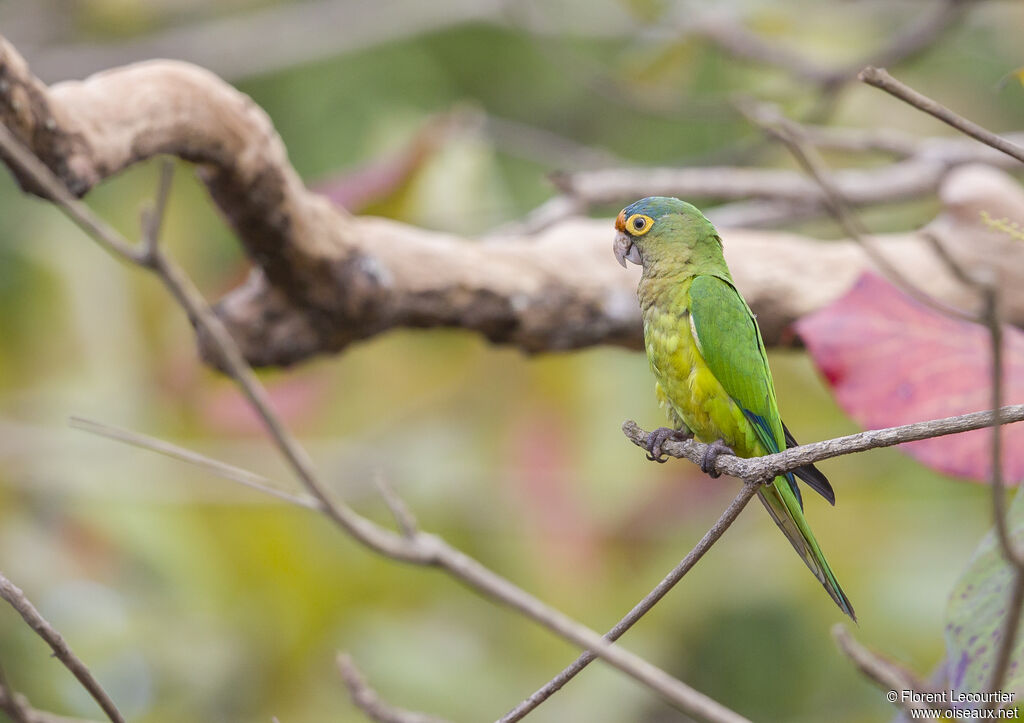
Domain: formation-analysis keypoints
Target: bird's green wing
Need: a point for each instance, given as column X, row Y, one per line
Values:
column 730, row 343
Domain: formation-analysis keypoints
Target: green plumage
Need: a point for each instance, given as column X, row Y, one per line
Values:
column 706, row 352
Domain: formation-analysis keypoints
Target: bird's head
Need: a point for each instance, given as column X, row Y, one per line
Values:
column 659, row 228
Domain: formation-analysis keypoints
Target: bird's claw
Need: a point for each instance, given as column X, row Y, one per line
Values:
column 658, row 437
column 711, row 453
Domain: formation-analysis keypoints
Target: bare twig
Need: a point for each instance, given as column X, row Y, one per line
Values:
column 19, row 710
column 366, row 699
column 404, row 517
column 879, row 78
column 421, row 549
column 153, row 217
column 921, row 167
column 13, row 704
column 889, row 675
column 791, row 135
column 16, row 598
column 908, row 42
column 771, row 465
column 236, row 474
column 1004, row 535
column 234, row 45
column 642, row 607
column 948, row 261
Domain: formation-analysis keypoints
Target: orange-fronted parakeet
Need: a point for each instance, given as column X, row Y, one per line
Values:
column 706, row 352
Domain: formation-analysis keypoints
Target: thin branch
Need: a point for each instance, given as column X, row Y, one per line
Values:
column 791, row 135
column 879, row 78
column 234, row 44
column 642, row 607
column 153, row 217
column 422, row 549
column 991, row 319
column 913, row 39
column 921, row 167
column 56, row 192
column 770, row 466
column 404, row 517
column 889, row 676
column 227, row 471
column 1004, row 535
column 13, row 595
column 942, row 251
column 12, row 704
column 20, row 710
column 367, row 700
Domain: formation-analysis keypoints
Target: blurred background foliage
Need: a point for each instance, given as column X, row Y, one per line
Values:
column 194, row 600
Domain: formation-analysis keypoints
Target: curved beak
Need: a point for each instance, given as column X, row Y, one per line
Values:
column 625, row 250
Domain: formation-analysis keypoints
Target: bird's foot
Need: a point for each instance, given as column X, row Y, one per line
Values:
column 711, row 453
column 658, row 437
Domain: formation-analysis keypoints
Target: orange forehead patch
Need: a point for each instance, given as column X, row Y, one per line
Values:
column 620, row 221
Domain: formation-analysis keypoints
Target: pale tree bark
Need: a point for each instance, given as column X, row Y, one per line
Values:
column 323, row 279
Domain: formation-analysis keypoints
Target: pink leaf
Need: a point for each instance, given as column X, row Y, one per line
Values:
column 891, row 360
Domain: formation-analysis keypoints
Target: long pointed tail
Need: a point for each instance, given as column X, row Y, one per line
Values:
column 782, row 505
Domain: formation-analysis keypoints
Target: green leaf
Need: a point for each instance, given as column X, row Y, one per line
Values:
column 976, row 615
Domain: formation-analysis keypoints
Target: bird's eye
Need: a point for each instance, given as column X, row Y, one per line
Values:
column 639, row 224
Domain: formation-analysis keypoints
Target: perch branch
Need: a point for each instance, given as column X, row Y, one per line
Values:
column 642, row 607
column 367, row 700
column 17, row 600
column 421, row 549
column 770, row 466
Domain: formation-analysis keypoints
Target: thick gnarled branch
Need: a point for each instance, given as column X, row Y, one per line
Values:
column 324, row 279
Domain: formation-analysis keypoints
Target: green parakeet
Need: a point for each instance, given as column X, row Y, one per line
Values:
column 706, row 352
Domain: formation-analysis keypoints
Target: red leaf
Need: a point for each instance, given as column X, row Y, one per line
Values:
column 890, row 360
